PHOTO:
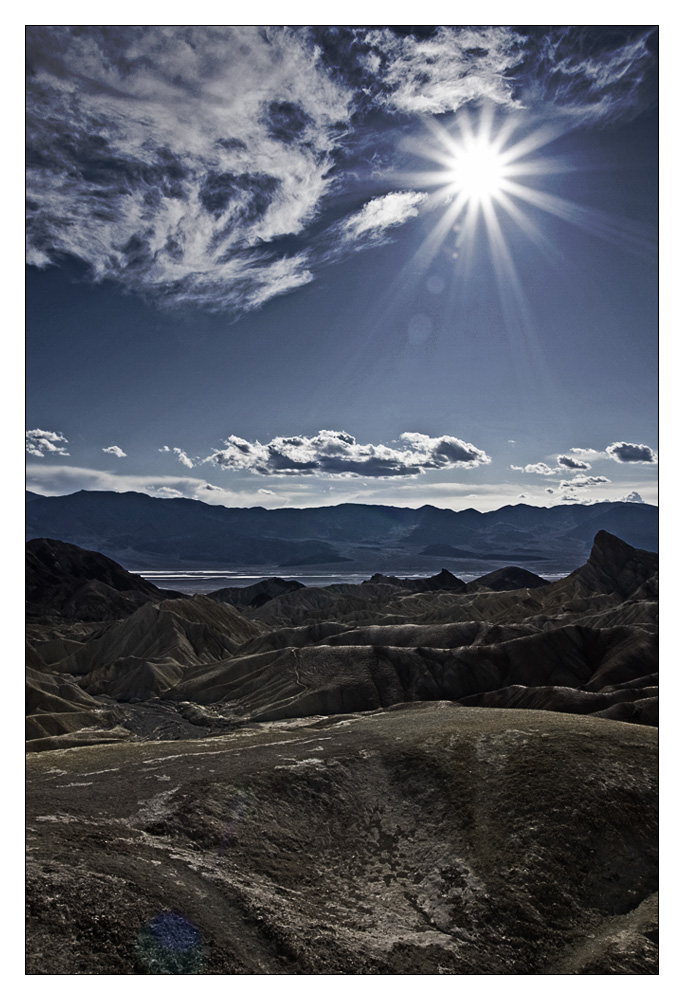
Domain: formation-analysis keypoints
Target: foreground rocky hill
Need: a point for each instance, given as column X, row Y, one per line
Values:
column 431, row 839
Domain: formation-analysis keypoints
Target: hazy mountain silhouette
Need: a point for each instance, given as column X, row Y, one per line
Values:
column 142, row 531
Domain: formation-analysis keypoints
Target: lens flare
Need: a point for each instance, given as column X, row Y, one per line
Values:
column 170, row 945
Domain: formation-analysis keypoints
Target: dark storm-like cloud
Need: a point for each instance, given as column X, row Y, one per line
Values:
column 622, row 451
column 193, row 164
column 41, row 443
column 568, row 462
column 337, row 454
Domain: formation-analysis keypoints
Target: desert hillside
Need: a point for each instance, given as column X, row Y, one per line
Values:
column 404, row 777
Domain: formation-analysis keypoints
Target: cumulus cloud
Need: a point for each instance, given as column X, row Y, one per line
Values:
column 624, row 452
column 115, row 450
column 538, row 468
column 183, row 458
column 180, row 455
column 40, row 443
column 570, row 462
column 336, row 453
column 632, row 497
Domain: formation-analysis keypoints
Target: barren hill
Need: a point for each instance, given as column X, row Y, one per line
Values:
column 433, row 839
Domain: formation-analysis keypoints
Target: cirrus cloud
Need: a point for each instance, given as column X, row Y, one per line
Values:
column 193, row 164
column 338, row 454
column 442, row 72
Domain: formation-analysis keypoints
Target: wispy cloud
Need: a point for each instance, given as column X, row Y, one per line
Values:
column 580, row 482
column 174, row 159
column 588, row 75
column 337, row 454
column 40, row 443
column 587, row 454
column 431, row 75
column 57, row 480
column 371, row 223
column 193, row 164
column 538, row 468
column 115, row 450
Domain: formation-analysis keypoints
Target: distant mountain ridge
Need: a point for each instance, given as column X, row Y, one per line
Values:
column 140, row 531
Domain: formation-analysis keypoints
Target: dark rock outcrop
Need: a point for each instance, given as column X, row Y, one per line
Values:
column 66, row 581
column 444, row 580
column 508, row 578
column 257, row 594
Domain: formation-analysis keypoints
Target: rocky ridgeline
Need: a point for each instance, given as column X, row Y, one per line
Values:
column 586, row 644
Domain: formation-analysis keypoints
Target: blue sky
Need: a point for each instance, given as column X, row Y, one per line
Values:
column 306, row 266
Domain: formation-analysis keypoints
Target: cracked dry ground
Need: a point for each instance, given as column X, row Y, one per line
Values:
column 427, row 839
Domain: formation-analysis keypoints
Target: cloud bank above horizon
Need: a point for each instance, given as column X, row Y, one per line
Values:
column 337, row 454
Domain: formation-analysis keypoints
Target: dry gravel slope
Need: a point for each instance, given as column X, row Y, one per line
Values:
column 428, row 839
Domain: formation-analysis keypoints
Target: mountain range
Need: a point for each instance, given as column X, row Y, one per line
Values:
column 142, row 532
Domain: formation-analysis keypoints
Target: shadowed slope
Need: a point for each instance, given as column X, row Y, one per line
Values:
column 330, row 679
column 70, row 582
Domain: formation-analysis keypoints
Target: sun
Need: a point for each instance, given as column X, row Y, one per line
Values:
column 478, row 172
